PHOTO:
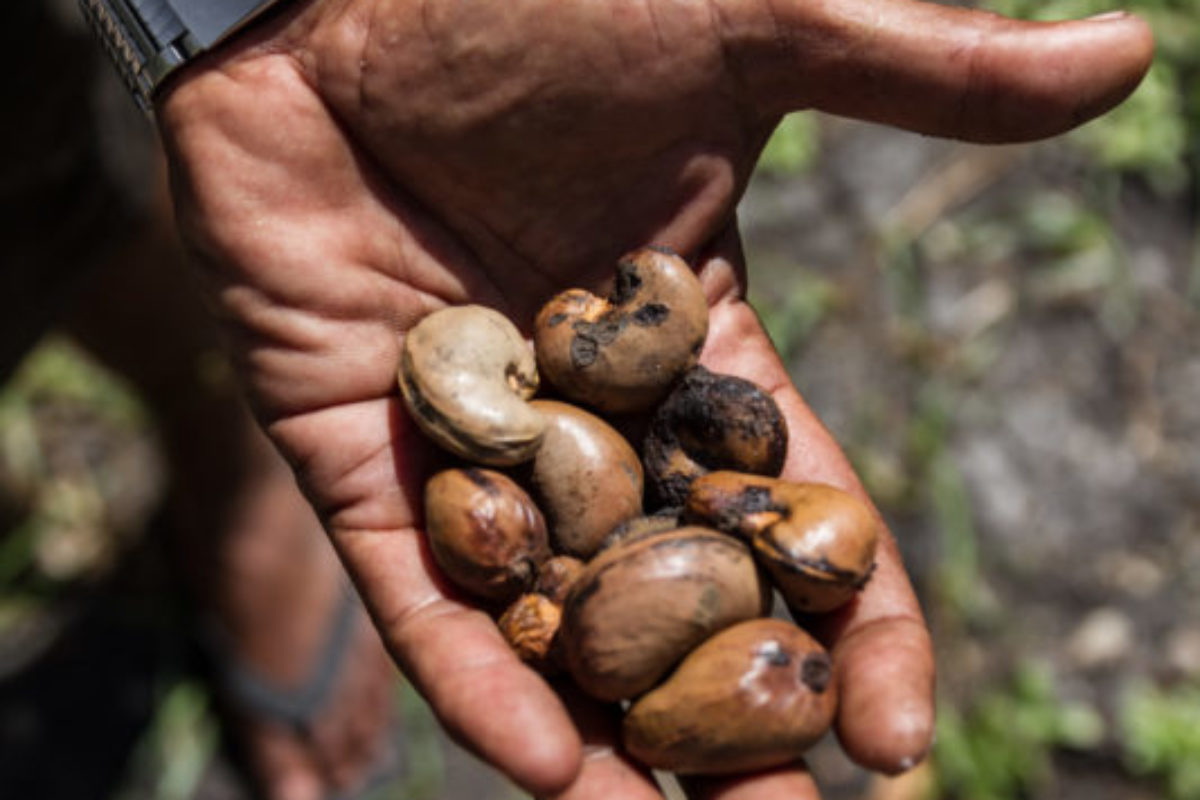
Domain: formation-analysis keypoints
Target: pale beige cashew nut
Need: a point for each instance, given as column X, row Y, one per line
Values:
column 466, row 375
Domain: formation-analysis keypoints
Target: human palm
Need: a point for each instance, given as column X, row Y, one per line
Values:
column 345, row 168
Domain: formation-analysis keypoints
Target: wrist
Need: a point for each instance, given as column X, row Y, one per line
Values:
column 149, row 40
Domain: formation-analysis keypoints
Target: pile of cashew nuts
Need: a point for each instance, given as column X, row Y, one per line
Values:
column 647, row 578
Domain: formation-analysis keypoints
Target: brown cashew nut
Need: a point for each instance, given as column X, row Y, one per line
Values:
column 816, row 541
column 712, row 422
column 623, row 353
column 586, row 477
column 530, row 626
column 466, row 375
column 755, row 695
column 485, row 532
column 640, row 606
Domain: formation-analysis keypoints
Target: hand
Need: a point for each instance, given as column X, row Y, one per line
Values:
column 350, row 165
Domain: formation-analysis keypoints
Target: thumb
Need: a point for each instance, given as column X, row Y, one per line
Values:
column 939, row 70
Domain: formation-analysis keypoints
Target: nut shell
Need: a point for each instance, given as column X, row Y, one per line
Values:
column 712, row 422
column 466, row 374
column 816, row 541
column 485, row 532
column 753, row 696
column 530, row 626
column 640, row 606
column 623, row 353
column 586, row 477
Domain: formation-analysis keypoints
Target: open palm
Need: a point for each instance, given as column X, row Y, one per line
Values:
column 345, row 168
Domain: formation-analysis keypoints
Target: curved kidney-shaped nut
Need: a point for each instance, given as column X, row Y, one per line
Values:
column 754, row 696
column 817, row 542
column 712, row 422
column 485, row 532
column 623, row 353
column 530, row 626
column 641, row 606
column 586, row 477
column 466, row 374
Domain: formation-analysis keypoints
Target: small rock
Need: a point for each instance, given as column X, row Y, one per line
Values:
column 1105, row 636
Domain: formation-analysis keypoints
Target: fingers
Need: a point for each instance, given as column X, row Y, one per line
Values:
column 880, row 642
column 939, row 70
column 361, row 466
column 607, row 773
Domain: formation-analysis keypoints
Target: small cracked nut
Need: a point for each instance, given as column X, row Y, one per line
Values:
column 754, row 696
column 530, row 626
column 586, row 477
column 485, row 532
column 466, row 375
column 641, row 605
column 712, row 422
column 817, row 542
column 623, row 353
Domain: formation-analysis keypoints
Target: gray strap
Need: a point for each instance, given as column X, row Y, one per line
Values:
column 297, row 706
column 150, row 39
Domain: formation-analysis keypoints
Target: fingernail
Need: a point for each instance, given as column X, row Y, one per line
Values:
column 1108, row 15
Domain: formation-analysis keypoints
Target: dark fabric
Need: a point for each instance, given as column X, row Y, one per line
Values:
column 74, row 156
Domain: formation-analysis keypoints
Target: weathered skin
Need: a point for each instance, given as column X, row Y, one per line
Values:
column 623, row 353
column 711, row 422
column 817, row 542
column 754, row 696
column 641, row 606
column 466, row 374
column 586, row 477
column 485, row 532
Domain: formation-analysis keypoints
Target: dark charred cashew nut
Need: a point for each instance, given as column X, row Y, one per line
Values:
column 711, row 422
column 623, row 353
column 817, row 542
column 641, row 606
column 754, row 696
column 530, row 626
column 466, row 375
column 485, row 532
column 586, row 477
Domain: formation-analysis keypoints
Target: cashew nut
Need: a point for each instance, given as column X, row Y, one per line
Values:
column 586, row 477
column 485, row 532
column 817, row 542
column 712, row 422
column 466, row 374
column 623, row 353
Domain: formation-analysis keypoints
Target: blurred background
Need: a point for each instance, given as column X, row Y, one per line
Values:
column 1007, row 342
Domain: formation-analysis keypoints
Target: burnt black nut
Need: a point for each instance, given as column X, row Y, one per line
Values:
column 623, row 354
column 485, row 532
column 711, row 422
column 816, row 541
